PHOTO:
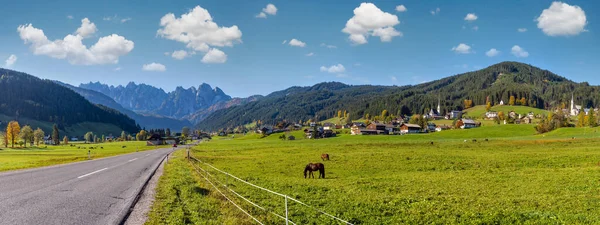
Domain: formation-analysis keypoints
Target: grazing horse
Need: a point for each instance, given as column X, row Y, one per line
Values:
column 314, row 167
column 325, row 156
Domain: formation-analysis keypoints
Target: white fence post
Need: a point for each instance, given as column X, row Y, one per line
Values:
column 287, row 221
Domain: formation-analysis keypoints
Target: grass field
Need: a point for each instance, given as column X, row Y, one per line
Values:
column 479, row 110
column 517, row 177
column 30, row 157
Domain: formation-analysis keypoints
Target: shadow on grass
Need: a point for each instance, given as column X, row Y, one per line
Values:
column 201, row 191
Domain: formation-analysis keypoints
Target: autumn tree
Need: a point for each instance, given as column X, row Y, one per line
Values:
column 468, row 103
column 488, row 106
column 384, row 113
column 592, row 121
column 367, row 116
column 88, row 137
column 511, row 101
column 501, row 115
column 123, row 136
column 55, row 135
column 523, row 101
column 3, row 139
column 339, row 113
column 38, row 136
column 12, row 132
column 26, row 134
column 65, row 140
column 581, row 119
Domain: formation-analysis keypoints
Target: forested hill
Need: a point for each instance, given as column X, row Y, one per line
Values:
column 540, row 88
column 23, row 95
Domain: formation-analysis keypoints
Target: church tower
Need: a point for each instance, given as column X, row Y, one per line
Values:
column 572, row 106
column 439, row 112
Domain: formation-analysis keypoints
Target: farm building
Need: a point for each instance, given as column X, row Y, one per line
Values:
column 454, row 114
column 155, row 139
column 408, row 128
column 491, row 114
column 468, row 123
column 439, row 128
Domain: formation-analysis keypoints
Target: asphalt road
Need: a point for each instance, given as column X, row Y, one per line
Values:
column 91, row 192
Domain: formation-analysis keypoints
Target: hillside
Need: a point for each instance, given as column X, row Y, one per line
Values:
column 541, row 88
column 25, row 97
column 145, row 121
column 479, row 111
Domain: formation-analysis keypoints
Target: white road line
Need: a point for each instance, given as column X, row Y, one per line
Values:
column 97, row 171
column 147, row 154
column 131, row 160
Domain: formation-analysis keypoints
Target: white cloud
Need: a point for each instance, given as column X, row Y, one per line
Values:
column 167, row 53
column 118, row 69
column 471, row 17
column 562, row 19
column 339, row 68
column 434, row 12
column 462, row 49
column 181, row 54
column 522, row 30
column 519, row 52
column 270, row 9
column 328, row 46
column 368, row 20
column 261, row 15
column 125, row 20
column 156, row 67
column 199, row 32
column 310, row 54
column 107, row 50
column 70, row 17
column 87, row 28
column 475, row 28
column 401, row 8
column 214, row 56
column 394, row 79
column 284, row 41
column 109, row 18
column 492, row 52
column 11, row 60
column 297, row 43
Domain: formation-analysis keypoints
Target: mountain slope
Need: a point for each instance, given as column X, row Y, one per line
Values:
column 145, row 121
column 25, row 96
column 540, row 88
column 146, row 99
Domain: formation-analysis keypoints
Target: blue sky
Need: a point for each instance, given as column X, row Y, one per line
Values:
column 258, row 62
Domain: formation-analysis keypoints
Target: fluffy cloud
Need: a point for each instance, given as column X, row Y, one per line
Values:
column 562, row 19
column 328, row 46
column 87, row 28
column 181, row 54
column 401, row 8
column 434, row 12
column 107, row 50
column 269, row 9
column 214, row 56
column 519, row 52
column 155, row 67
column 310, row 54
column 522, row 30
column 339, row 68
column 297, row 43
column 492, row 52
column 368, row 20
column 462, row 49
column 199, row 32
column 471, row 17
column 11, row 60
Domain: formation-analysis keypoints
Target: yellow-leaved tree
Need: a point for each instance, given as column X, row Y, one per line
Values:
column 12, row 132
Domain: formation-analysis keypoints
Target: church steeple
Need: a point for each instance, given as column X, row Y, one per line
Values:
column 439, row 112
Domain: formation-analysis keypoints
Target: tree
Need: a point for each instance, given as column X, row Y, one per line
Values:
column 339, row 113
column 367, row 116
column 458, row 124
column 185, row 132
column 142, row 134
column 523, row 101
column 511, row 101
column 384, row 113
column 12, row 132
column 103, row 138
column 488, row 106
column 38, row 136
column 501, row 115
column 65, row 140
column 3, row 139
column 348, row 120
column 123, row 136
column 592, row 121
column 468, row 103
column 26, row 134
column 88, row 137
column 55, row 135
column 581, row 119
column 168, row 132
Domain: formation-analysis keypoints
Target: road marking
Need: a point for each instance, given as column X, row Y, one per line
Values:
column 97, row 171
column 147, row 154
column 131, row 160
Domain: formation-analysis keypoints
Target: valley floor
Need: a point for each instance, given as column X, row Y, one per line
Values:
column 514, row 177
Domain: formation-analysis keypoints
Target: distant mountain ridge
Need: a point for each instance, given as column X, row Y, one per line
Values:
column 540, row 88
column 147, row 99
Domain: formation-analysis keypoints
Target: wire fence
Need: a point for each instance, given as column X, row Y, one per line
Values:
column 206, row 174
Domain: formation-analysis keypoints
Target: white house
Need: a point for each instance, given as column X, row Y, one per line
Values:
column 491, row 114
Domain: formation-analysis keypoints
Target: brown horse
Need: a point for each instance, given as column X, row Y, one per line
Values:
column 325, row 156
column 314, row 167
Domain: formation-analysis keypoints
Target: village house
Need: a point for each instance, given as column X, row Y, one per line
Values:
column 382, row 128
column 491, row 114
column 526, row 120
column 408, row 128
column 155, row 139
column 431, row 127
column 439, row 128
column 328, row 126
column 468, row 123
column 512, row 114
column 48, row 140
column 454, row 114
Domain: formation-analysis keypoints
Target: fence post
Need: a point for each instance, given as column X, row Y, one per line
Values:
column 188, row 153
column 89, row 154
column 287, row 221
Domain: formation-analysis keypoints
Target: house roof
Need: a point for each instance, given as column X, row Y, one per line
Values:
column 468, row 121
column 411, row 125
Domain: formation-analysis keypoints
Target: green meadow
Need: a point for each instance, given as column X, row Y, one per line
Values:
column 515, row 177
column 47, row 155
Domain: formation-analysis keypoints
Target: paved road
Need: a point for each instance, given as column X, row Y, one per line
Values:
column 91, row 192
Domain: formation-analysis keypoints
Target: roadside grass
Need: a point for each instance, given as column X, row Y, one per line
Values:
column 47, row 155
column 516, row 177
column 183, row 197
